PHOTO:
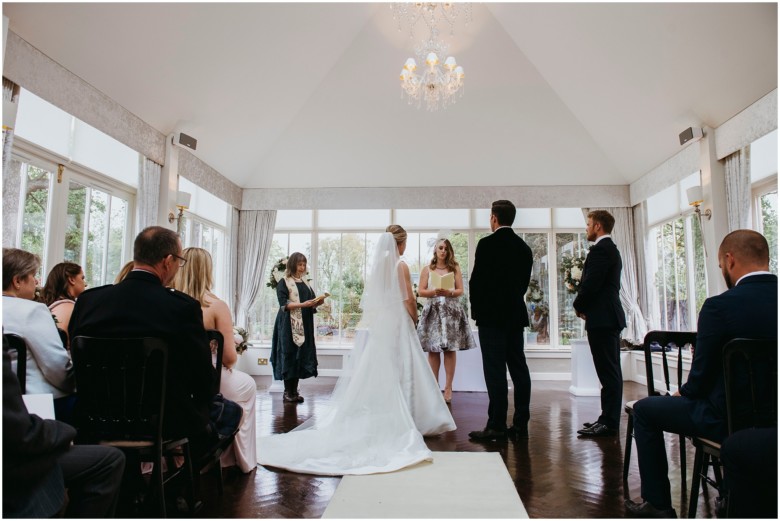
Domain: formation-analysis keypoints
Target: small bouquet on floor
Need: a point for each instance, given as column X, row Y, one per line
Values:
column 241, row 338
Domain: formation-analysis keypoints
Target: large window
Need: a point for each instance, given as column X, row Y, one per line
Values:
column 763, row 176
column 339, row 243
column 67, row 215
column 678, row 270
column 77, row 189
column 205, row 226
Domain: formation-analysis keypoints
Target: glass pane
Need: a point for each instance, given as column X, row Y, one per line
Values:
column 533, row 218
column 96, row 238
column 763, row 157
column 346, row 219
column 769, row 226
column 44, row 124
column 287, row 219
column 197, row 233
column 116, row 238
column 328, row 319
column 538, row 296
column 662, row 205
column 451, row 218
column 699, row 266
column 36, row 208
column 571, row 249
column 353, row 258
column 104, row 154
column 568, row 218
column 204, row 203
column 205, row 238
column 301, row 242
column 671, row 279
column 263, row 314
column 75, row 222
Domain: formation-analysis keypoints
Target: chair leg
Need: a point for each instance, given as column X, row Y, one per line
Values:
column 218, row 474
column 695, row 482
column 189, row 479
column 683, row 464
column 156, row 484
column 627, row 453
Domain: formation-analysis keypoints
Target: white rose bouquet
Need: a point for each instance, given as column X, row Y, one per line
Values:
column 241, row 338
column 571, row 267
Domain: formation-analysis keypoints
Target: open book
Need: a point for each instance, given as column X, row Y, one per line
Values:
column 442, row 281
column 321, row 297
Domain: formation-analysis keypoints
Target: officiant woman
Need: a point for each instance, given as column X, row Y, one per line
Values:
column 293, row 353
column 444, row 326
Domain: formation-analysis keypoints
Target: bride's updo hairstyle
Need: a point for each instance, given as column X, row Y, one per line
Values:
column 399, row 234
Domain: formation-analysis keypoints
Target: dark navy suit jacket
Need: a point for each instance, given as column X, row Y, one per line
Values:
column 599, row 294
column 499, row 280
column 748, row 310
column 141, row 306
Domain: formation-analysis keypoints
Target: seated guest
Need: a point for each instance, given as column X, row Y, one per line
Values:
column 49, row 368
column 142, row 306
column 747, row 310
column 749, row 460
column 127, row 268
column 63, row 286
column 39, row 463
column 195, row 279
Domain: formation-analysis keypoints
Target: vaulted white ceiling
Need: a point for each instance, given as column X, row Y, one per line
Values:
column 285, row 95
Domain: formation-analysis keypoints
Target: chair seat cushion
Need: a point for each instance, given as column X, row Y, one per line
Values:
column 629, row 408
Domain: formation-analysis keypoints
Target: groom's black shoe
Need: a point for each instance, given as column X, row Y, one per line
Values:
column 597, row 430
column 488, row 434
column 517, row 433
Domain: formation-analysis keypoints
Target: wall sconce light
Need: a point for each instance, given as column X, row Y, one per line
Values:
column 182, row 203
column 695, row 198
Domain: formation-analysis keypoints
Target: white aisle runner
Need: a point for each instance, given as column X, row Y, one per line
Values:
column 455, row 485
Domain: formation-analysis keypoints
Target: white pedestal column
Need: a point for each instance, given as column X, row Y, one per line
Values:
column 584, row 381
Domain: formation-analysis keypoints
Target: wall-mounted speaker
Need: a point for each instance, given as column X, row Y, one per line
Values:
column 690, row 134
column 183, row 140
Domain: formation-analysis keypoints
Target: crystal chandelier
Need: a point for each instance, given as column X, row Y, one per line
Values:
column 437, row 84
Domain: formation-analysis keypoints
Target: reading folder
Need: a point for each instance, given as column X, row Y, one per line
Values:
column 442, row 281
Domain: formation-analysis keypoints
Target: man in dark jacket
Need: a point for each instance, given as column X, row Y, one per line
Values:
column 39, row 462
column 748, row 309
column 498, row 283
column 598, row 303
column 142, row 306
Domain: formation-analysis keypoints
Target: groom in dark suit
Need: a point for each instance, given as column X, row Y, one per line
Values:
column 598, row 303
column 747, row 310
column 498, row 283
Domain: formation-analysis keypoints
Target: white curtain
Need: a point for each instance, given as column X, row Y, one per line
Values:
column 255, row 233
column 10, row 104
column 231, row 296
column 643, row 284
column 738, row 189
column 623, row 237
column 148, row 201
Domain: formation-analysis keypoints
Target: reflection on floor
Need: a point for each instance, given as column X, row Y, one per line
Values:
column 556, row 474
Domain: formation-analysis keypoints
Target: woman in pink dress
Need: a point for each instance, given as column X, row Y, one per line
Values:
column 195, row 279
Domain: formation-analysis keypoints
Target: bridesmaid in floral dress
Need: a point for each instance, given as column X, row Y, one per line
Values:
column 444, row 326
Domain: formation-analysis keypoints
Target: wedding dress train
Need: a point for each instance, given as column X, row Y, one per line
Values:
column 384, row 403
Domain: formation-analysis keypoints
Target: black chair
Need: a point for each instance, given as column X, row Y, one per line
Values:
column 750, row 378
column 662, row 339
column 63, row 337
column 121, row 402
column 15, row 343
column 211, row 460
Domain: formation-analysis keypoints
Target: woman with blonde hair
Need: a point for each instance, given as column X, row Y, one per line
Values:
column 444, row 326
column 195, row 279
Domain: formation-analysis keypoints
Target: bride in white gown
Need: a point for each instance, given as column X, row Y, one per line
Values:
column 387, row 398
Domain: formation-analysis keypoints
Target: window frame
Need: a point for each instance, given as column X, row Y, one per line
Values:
column 27, row 152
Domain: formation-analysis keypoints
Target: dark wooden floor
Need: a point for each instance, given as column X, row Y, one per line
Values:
column 556, row 474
